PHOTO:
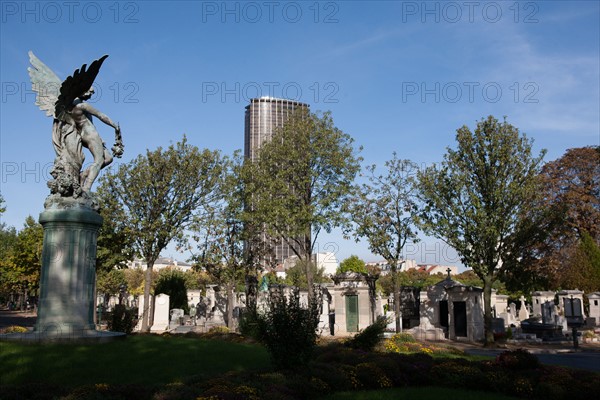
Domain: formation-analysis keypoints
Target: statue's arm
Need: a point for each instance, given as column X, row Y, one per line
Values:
column 101, row 116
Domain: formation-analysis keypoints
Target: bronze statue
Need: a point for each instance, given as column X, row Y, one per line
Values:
column 72, row 129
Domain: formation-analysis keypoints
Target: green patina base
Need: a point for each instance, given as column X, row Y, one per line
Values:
column 68, row 276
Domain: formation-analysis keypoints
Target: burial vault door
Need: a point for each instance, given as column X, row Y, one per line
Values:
column 460, row 318
column 352, row 313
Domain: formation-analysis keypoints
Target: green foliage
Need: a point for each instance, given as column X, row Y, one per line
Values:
column 8, row 238
column 384, row 212
column 369, row 337
column 158, row 195
column 352, row 264
column 289, row 330
column 297, row 275
column 172, row 281
column 249, row 325
column 134, row 278
column 115, row 244
column 480, row 200
column 517, row 360
column 109, row 282
column 22, row 258
column 122, row 319
column 302, row 181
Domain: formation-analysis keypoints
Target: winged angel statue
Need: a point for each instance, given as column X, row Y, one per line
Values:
column 73, row 129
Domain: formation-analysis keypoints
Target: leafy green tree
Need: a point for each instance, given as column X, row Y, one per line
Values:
column 229, row 247
column 21, row 272
column 303, row 181
column 352, row 264
column 384, row 213
column 479, row 198
column 109, row 283
column 8, row 238
column 172, row 281
column 115, row 245
column 296, row 275
column 134, row 278
column 159, row 194
column 412, row 277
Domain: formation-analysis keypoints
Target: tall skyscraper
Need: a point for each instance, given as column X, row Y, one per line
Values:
column 263, row 116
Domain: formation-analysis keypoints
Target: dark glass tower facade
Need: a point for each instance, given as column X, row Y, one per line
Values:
column 263, row 116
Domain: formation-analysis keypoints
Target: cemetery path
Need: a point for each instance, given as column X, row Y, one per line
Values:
column 587, row 357
column 20, row 318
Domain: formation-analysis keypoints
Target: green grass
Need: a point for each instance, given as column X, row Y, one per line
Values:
column 426, row 393
column 143, row 359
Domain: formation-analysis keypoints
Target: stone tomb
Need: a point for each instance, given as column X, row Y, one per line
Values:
column 571, row 302
column 538, row 298
column 452, row 310
column 350, row 298
column 594, row 299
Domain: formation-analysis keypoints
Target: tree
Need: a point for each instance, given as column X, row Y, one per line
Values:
column 8, row 238
column 303, row 180
column 229, row 247
column 296, row 275
column 384, row 213
column 159, row 194
column 115, row 245
column 171, row 281
column 353, row 264
column 21, row 271
column 134, row 278
column 109, row 283
column 571, row 194
column 479, row 199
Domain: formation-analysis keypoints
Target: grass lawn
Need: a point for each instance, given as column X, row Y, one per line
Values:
column 427, row 393
column 138, row 359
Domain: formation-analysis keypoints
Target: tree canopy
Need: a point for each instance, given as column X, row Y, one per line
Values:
column 158, row 194
column 352, row 264
column 479, row 199
column 384, row 212
column 303, row 180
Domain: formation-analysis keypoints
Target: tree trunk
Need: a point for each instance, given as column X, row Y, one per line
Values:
column 309, row 270
column 146, row 313
column 396, row 299
column 230, row 324
column 487, row 311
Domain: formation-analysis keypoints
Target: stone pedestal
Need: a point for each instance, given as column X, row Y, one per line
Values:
column 68, row 276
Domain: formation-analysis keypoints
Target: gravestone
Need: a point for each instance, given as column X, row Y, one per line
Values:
column 161, row 313
column 548, row 310
column 176, row 319
column 523, row 312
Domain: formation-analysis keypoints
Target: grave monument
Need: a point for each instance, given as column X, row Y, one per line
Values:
column 70, row 218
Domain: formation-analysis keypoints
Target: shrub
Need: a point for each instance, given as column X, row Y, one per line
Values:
column 249, row 325
column 288, row 330
column 218, row 330
column 172, row 282
column 517, row 360
column 15, row 329
column 369, row 337
column 123, row 319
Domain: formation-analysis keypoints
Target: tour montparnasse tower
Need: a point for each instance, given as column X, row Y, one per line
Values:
column 263, row 116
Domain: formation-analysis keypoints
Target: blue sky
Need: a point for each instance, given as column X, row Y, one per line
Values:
column 397, row 75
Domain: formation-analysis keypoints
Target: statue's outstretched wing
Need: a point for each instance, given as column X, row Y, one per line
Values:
column 76, row 85
column 45, row 83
